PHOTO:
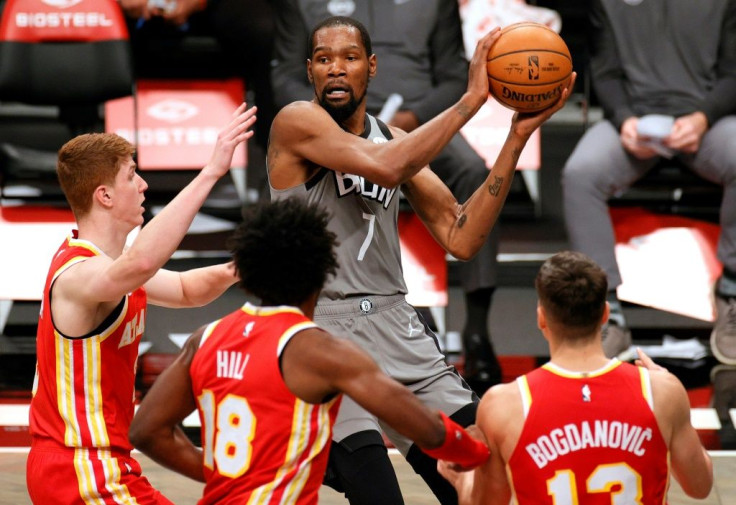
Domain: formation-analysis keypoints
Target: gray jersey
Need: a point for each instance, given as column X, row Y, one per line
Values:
column 364, row 217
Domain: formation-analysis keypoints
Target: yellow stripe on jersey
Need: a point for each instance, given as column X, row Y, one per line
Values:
column 93, row 404
column 114, row 326
column 557, row 370
column 113, row 477
column 84, row 244
column 208, row 331
column 65, row 266
column 65, row 389
column 646, row 386
column 255, row 310
column 300, row 431
column 526, row 394
column 293, row 330
column 85, row 478
column 294, row 489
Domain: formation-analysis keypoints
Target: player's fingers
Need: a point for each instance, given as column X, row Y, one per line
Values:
column 647, row 362
column 484, row 43
column 239, row 110
column 242, row 122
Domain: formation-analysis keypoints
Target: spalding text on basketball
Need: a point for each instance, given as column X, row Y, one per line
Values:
column 531, row 97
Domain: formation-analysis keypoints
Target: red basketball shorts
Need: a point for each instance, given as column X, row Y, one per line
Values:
column 87, row 476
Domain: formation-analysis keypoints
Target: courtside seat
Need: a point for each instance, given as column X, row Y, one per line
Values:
column 671, row 188
column 63, row 57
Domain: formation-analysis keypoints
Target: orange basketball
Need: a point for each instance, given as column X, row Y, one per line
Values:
column 528, row 67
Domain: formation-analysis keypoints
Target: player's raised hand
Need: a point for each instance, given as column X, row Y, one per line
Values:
column 236, row 131
column 478, row 70
column 524, row 123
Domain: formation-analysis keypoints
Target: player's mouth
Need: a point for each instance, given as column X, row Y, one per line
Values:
column 337, row 92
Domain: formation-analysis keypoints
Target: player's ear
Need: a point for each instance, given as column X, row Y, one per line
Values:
column 102, row 195
column 541, row 317
column 372, row 65
column 606, row 314
column 309, row 71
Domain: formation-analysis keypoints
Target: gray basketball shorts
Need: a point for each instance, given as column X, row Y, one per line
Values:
column 391, row 331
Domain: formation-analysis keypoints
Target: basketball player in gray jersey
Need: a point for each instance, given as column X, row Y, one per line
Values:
column 330, row 152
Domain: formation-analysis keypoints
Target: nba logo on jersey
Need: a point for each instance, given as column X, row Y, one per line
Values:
column 586, row 393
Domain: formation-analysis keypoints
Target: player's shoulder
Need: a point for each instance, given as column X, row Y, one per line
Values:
column 296, row 119
column 497, row 400
column 666, row 385
column 298, row 109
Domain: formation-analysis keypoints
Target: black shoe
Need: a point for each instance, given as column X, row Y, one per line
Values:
column 482, row 369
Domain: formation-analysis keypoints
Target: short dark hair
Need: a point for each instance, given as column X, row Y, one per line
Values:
column 283, row 251
column 572, row 290
column 342, row 21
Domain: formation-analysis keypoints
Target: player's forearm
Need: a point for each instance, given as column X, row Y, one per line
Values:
column 158, row 239
column 201, row 286
column 175, row 451
column 410, row 153
column 695, row 476
column 477, row 216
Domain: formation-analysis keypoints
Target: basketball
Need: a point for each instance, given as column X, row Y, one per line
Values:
column 528, row 67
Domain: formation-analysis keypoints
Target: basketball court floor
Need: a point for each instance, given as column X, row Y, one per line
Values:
column 183, row 491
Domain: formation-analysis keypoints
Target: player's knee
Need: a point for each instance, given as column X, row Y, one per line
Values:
column 578, row 175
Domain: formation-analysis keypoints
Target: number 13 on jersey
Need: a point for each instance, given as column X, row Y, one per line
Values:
column 563, row 486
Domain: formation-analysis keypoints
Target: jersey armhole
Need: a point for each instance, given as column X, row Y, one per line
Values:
column 646, row 386
column 526, row 394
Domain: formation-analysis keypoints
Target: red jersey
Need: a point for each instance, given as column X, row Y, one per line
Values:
column 83, row 392
column 589, row 438
column 261, row 443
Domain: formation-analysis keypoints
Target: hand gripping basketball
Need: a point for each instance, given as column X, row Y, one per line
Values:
column 528, row 67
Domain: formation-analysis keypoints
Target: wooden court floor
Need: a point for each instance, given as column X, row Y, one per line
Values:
column 183, row 491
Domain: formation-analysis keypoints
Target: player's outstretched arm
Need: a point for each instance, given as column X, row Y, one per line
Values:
column 488, row 484
column 316, row 365
column 691, row 464
column 191, row 288
column 304, row 131
column 155, row 428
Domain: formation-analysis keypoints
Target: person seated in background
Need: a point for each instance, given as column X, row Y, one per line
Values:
column 583, row 428
column 244, row 30
column 268, row 381
column 420, row 47
column 666, row 57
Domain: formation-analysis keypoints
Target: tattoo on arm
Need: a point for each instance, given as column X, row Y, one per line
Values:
column 463, row 110
column 273, row 153
column 495, row 188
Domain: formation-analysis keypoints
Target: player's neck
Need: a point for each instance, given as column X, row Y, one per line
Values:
column 577, row 356
column 103, row 234
column 355, row 124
